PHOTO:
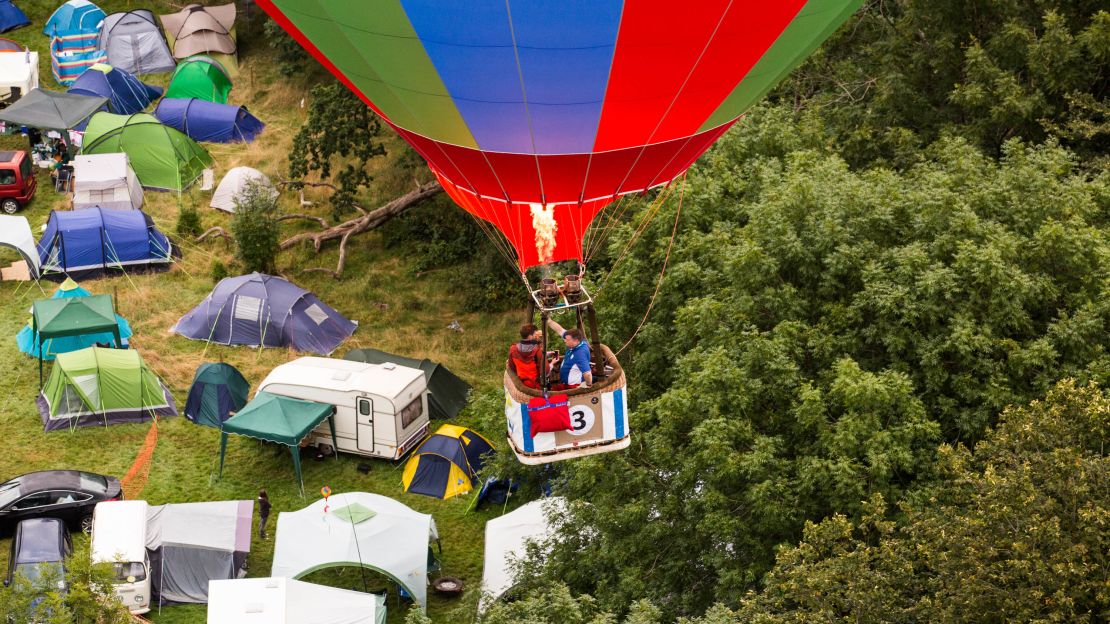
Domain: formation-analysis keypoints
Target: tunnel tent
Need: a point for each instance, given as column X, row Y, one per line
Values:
column 191, row 544
column 448, row 393
column 134, row 42
column 208, row 121
column 163, row 158
column 447, row 463
column 360, row 530
column 126, row 94
column 219, row 390
column 200, row 77
column 51, row 110
column 107, row 181
column 93, row 241
column 234, row 183
column 279, row 600
column 15, row 233
column 11, row 16
column 52, row 346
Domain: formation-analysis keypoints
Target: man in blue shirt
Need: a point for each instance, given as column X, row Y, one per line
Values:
column 575, row 370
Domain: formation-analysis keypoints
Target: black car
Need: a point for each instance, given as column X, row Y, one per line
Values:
column 68, row 495
column 39, row 549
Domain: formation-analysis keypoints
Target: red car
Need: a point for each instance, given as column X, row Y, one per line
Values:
column 17, row 181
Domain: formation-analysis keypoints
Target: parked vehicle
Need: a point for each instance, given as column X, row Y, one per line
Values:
column 119, row 538
column 68, row 495
column 381, row 410
column 39, row 549
column 17, row 181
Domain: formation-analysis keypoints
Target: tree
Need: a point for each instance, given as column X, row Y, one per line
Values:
column 89, row 597
column 255, row 228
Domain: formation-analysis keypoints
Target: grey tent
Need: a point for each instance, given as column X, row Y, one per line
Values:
column 193, row 543
column 447, row 394
column 51, row 110
column 135, row 43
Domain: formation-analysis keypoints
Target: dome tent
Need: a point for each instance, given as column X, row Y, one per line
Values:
column 208, row 30
column 263, row 310
column 11, row 17
column 163, row 158
column 126, row 94
column 51, row 347
column 134, row 42
column 234, row 183
column 200, row 77
column 447, row 463
column 218, row 390
column 73, row 30
column 209, row 121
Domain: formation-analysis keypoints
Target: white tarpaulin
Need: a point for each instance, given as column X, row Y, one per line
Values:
column 507, row 540
column 15, row 232
column 18, row 70
column 194, row 543
column 358, row 529
column 105, row 180
column 286, row 601
column 234, row 183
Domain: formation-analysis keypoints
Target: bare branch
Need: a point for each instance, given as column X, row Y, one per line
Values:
column 320, row 220
column 214, row 232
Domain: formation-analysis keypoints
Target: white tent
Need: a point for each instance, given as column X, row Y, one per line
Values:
column 15, row 232
column 234, row 183
column 18, row 70
column 105, row 180
column 191, row 544
column 286, row 601
column 358, row 529
column 507, row 540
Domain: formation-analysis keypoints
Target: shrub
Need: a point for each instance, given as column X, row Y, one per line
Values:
column 255, row 228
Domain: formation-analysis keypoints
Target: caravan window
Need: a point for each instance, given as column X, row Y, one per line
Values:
column 411, row 412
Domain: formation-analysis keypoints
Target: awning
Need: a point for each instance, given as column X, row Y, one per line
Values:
column 73, row 316
column 51, row 110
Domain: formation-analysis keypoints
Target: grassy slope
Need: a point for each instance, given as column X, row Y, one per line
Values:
column 412, row 321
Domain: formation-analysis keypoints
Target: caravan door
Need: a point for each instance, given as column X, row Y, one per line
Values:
column 364, row 424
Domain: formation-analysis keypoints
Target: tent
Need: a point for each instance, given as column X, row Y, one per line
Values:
column 98, row 386
column 105, row 180
column 64, row 344
column 126, row 94
column 76, row 17
column 280, row 600
column 198, row 29
column 88, row 242
column 7, row 45
column 200, row 77
column 234, row 183
column 263, row 310
column 218, row 391
column 73, row 30
column 447, row 393
column 447, row 463
column 11, row 17
column 134, row 42
column 69, row 317
column 163, row 158
column 15, row 233
column 51, row 110
column 209, row 121
column 507, row 540
column 357, row 529
column 19, row 73
column 278, row 419
column 191, row 544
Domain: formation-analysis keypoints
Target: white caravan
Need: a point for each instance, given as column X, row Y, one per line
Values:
column 381, row 410
column 119, row 537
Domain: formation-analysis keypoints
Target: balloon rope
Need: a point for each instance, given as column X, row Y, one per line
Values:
column 649, row 216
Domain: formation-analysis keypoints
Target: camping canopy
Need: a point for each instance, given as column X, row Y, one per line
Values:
column 209, row 121
column 218, row 390
column 50, row 110
column 287, row 601
column 279, row 419
column 198, row 29
column 163, row 158
column 15, row 233
column 126, row 94
column 105, row 180
column 447, row 393
column 11, row 17
column 263, row 310
column 200, row 77
column 507, row 540
column 89, row 242
column 134, row 43
column 50, row 347
column 97, row 386
column 447, row 463
column 19, row 73
column 191, row 544
column 358, row 529
column 233, row 185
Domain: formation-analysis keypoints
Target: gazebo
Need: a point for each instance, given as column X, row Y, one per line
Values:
column 73, row 316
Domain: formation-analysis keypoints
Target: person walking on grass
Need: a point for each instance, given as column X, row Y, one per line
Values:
column 263, row 512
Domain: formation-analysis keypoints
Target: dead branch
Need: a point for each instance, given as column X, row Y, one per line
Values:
column 320, row 220
column 214, row 232
column 307, row 183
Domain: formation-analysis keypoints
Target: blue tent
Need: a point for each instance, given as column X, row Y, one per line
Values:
column 53, row 346
column 76, row 18
column 88, row 242
column 11, row 17
column 209, row 121
column 126, row 94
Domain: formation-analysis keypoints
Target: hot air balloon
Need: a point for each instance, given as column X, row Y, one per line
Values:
column 537, row 114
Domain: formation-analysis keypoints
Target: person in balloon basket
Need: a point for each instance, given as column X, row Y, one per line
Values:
column 526, row 356
column 263, row 512
column 575, row 370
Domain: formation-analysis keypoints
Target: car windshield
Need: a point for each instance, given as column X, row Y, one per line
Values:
column 36, row 572
column 9, row 492
column 130, row 572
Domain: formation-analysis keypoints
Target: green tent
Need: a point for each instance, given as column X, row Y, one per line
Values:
column 102, row 386
column 200, row 77
column 447, row 394
column 280, row 419
column 162, row 157
column 218, row 391
column 73, row 316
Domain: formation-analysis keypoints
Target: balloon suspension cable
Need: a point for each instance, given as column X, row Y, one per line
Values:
column 649, row 216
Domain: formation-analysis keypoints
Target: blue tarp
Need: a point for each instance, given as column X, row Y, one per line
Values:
column 11, row 17
column 53, row 346
column 126, row 94
column 87, row 242
column 209, row 121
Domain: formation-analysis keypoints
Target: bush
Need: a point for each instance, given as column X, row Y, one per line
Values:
column 219, row 271
column 188, row 221
column 255, row 228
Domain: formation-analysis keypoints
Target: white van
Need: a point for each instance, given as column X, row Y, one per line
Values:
column 381, row 410
column 119, row 537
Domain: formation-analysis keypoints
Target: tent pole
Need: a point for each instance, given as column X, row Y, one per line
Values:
column 334, row 438
column 296, row 451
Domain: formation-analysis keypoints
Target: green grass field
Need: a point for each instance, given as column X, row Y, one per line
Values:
column 398, row 310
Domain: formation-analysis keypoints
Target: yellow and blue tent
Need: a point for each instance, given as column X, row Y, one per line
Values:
column 447, row 463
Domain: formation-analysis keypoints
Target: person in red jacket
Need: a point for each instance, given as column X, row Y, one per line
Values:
column 526, row 356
